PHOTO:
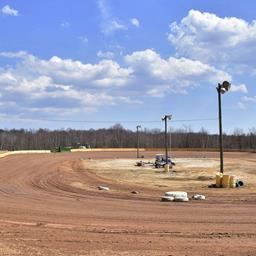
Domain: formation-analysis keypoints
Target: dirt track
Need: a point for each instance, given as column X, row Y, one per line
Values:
column 43, row 213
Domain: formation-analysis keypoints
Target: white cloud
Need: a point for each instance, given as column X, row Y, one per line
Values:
column 246, row 101
column 65, row 24
column 135, row 22
column 239, row 88
column 20, row 54
column 57, row 83
column 7, row 10
column 249, row 99
column 225, row 42
column 173, row 74
column 106, row 55
column 158, row 91
column 67, row 71
column 34, row 83
column 83, row 39
column 104, row 10
column 110, row 26
column 241, row 106
column 109, row 23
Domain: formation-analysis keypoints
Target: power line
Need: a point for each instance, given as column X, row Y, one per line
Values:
column 195, row 120
column 110, row 121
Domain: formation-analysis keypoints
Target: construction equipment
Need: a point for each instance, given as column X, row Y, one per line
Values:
column 160, row 161
column 140, row 163
column 60, row 149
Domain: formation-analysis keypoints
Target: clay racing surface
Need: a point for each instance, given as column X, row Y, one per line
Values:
column 50, row 205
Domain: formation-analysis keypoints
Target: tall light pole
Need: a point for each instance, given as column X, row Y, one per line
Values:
column 138, row 140
column 165, row 119
column 221, row 89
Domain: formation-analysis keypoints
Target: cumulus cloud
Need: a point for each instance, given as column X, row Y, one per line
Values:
column 57, row 83
column 35, row 83
column 7, row 10
column 172, row 74
column 226, row 42
column 106, row 73
column 135, row 22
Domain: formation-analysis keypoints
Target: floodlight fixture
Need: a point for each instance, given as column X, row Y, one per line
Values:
column 224, row 87
column 168, row 117
column 222, row 90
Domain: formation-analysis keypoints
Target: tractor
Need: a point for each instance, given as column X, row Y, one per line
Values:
column 160, row 161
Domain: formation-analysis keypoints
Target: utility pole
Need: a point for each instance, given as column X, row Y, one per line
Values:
column 221, row 89
column 165, row 119
column 138, row 140
column 220, row 132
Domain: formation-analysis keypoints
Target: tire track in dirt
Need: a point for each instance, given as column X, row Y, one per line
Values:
column 39, row 202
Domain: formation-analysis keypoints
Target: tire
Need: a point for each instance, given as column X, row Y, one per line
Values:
column 181, row 199
column 176, row 194
column 239, row 183
column 167, row 199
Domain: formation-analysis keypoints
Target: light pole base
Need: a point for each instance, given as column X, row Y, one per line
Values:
column 167, row 168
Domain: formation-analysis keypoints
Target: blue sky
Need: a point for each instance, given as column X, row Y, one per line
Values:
column 126, row 60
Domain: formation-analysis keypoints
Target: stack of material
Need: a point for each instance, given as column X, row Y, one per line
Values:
column 228, row 181
column 225, row 181
column 218, row 180
column 177, row 196
column 232, row 181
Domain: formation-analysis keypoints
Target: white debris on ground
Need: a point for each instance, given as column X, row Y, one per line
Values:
column 181, row 199
column 198, row 197
column 176, row 196
column 180, row 196
column 103, row 188
column 167, row 199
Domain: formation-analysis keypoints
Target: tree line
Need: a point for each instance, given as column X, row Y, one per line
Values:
column 119, row 137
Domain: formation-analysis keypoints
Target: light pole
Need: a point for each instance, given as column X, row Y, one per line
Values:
column 165, row 119
column 138, row 140
column 221, row 89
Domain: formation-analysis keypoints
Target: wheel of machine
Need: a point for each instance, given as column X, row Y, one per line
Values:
column 239, row 183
